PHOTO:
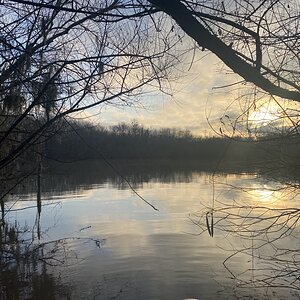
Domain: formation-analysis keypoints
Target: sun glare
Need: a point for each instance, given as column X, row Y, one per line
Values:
column 263, row 116
column 263, row 195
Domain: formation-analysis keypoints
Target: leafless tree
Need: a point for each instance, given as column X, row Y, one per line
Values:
column 257, row 40
column 62, row 57
column 59, row 58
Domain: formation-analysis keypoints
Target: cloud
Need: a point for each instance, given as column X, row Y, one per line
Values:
column 193, row 101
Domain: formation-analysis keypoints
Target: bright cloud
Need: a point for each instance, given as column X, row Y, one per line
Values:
column 195, row 99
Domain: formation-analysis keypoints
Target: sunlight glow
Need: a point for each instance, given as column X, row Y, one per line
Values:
column 263, row 195
column 263, row 116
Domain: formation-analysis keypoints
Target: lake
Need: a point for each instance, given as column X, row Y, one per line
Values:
column 216, row 234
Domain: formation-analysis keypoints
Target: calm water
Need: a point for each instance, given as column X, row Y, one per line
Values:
column 111, row 245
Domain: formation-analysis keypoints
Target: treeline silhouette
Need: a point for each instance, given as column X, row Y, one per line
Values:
column 132, row 141
column 77, row 154
column 81, row 140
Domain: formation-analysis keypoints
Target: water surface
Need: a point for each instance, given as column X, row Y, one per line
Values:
column 112, row 245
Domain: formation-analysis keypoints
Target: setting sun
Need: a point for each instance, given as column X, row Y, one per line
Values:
column 264, row 115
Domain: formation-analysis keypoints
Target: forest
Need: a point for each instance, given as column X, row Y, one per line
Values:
column 82, row 141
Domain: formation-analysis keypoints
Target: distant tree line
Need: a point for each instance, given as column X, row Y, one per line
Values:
column 79, row 141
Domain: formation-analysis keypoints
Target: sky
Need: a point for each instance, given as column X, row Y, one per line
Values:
column 196, row 104
column 193, row 100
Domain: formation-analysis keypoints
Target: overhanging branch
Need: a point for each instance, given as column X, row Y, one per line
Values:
column 204, row 38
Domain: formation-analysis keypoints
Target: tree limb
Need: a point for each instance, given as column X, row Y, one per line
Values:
column 204, row 38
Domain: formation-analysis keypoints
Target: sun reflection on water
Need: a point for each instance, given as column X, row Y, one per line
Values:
column 264, row 195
